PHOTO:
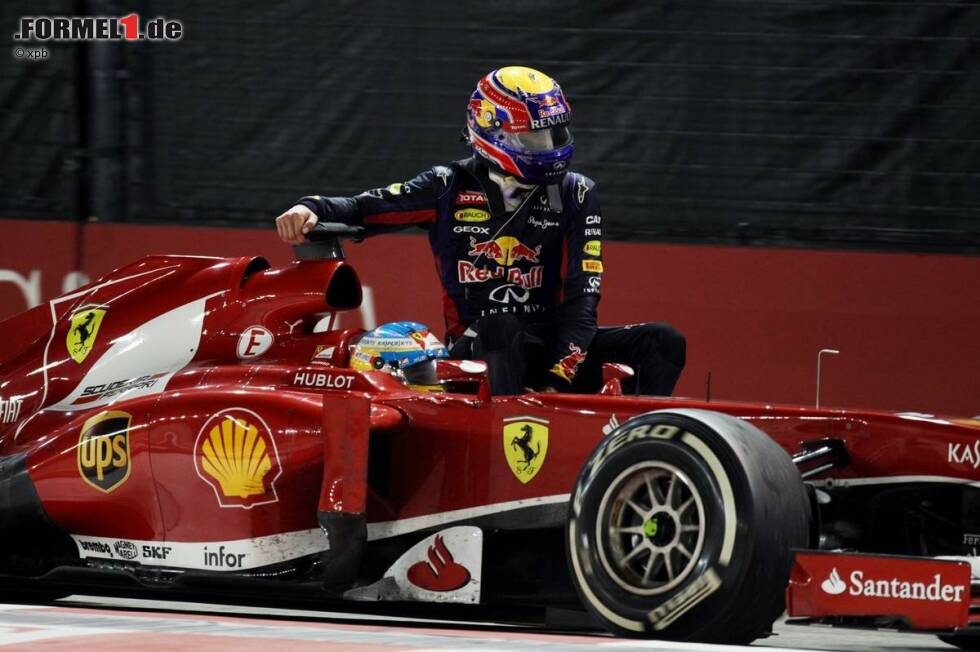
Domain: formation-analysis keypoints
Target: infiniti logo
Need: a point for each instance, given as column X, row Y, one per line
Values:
column 509, row 293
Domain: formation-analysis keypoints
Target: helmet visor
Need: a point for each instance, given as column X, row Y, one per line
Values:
column 541, row 140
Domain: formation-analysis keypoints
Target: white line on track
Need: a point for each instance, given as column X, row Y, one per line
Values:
column 112, row 624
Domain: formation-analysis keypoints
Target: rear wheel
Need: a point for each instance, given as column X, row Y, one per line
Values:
column 681, row 526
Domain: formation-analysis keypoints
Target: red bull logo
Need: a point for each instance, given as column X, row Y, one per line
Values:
column 470, row 273
column 505, row 250
column 568, row 366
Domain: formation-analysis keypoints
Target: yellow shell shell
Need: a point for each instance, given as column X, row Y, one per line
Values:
column 236, row 456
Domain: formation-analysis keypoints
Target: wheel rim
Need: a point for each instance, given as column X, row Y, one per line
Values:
column 650, row 528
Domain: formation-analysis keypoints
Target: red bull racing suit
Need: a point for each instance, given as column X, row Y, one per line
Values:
column 533, row 273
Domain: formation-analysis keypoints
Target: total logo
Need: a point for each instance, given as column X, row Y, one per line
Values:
column 505, row 250
column 934, row 591
column 253, row 342
column 471, row 197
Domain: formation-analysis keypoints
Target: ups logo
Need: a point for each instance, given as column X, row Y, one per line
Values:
column 103, row 450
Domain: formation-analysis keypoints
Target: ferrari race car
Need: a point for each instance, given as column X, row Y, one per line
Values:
column 193, row 426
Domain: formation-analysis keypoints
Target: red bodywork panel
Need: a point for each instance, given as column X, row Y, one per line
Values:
column 929, row 594
column 243, row 421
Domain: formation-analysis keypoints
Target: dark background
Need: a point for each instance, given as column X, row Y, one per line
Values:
column 841, row 124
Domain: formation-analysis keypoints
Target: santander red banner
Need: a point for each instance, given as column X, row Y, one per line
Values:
column 754, row 318
column 927, row 593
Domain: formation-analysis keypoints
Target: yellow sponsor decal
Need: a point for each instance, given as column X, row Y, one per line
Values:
column 103, row 450
column 236, row 455
column 522, row 78
column 525, row 446
column 593, row 247
column 592, row 266
column 82, row 331
column 395, row 188
column 472, row 215
column 486, row 115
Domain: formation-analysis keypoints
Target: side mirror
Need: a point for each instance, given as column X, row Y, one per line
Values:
column 465, row 377
column 613, row 375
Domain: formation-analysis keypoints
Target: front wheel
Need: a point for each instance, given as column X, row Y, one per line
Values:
column 681, row 526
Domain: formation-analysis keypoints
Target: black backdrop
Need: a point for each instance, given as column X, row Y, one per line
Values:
column 755, row 122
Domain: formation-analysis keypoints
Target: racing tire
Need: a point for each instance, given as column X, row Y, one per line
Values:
column 681, row 526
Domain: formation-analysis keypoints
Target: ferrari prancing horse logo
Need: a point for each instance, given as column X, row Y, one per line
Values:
column 525, row 446
column 82, row 332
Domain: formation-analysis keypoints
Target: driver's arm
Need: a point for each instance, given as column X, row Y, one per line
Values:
column 582, row 276
column 381, row 210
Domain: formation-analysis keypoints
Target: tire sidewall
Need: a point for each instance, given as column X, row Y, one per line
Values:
column 658, row 614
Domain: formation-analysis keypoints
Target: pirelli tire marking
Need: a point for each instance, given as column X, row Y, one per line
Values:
column 710, row 580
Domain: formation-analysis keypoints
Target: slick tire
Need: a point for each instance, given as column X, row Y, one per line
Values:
column 707, row 560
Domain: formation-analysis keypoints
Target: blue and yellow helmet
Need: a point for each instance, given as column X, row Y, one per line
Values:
column 517, row 121
column 404, row 348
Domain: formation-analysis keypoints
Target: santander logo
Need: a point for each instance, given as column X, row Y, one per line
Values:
column 893, row 588
column 440, row 572
column 833, row 585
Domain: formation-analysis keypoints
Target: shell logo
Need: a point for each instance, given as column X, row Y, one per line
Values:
column 236, row 454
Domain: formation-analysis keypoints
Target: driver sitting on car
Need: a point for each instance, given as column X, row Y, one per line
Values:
column 517, row 240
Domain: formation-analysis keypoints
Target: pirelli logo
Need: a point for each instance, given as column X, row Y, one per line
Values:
column 593, row 266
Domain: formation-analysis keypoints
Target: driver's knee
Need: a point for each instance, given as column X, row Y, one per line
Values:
column 669, row 343
column 673, row 344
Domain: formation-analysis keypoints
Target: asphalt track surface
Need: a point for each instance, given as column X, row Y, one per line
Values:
column 114, row 624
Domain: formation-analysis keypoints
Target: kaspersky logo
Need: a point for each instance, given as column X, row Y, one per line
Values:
column 505, row 250
column 893, row 588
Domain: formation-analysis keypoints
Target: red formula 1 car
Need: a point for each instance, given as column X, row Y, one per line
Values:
column 192, row 425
